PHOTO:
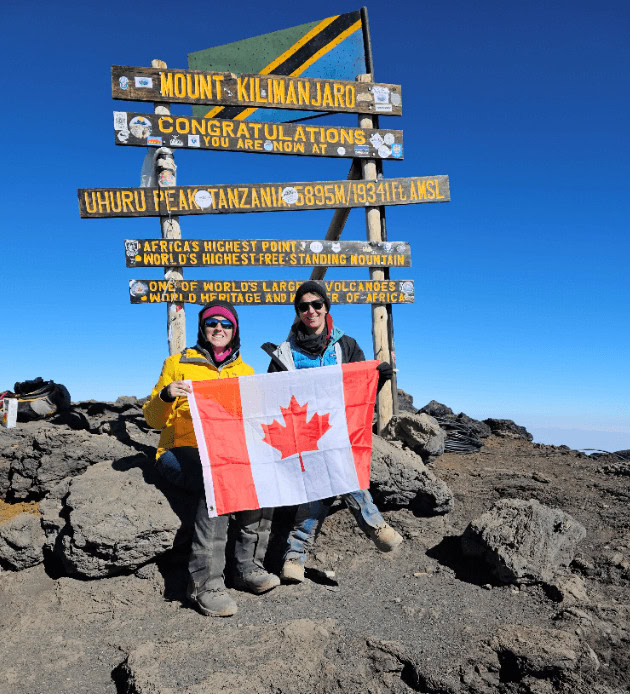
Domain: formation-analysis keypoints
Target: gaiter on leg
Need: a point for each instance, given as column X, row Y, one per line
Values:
column 252, row 539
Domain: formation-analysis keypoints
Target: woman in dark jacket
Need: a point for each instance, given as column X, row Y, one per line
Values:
column 313, row 341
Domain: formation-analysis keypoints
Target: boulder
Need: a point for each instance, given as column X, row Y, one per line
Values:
column 506, row 428
column 421, row 433
column 437, row 409
column 21, row 542
column 405, row 401
column 463, row 433
column 245, row 658
column 114, row 521
column 54, row 513
column 38, row 455
column 523, row 541
column 569, row 590
column 541, row 653
column 400, row 479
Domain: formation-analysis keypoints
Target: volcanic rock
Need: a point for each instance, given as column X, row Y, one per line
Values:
column 38, row 455
column 420, row 432
column 508, row 429
column 463, row 433
column 116, row 522
column 400, row 479
column 21, row 542
column 541, row 653
column 523, row 541
column 405, row 402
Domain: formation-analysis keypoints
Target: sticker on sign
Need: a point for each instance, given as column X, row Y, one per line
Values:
column 204, row 199
column 290, row 195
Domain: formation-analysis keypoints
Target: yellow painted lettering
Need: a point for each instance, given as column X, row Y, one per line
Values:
column 182, row 125
column 278, row 87
column 127, row 200
column 166, row 84
column 205, row 87
column 291, row 96
column 303, row 92
column 317, row 101
column 338, row 91
column 241, row 88
column 192, row 85
column 165, row 124
column 90, row 208
column 327, row 99
column 179, row 84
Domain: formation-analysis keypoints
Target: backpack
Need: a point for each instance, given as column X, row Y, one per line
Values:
column 38, row 399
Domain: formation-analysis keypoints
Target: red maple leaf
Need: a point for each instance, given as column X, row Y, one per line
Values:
column 298, row 435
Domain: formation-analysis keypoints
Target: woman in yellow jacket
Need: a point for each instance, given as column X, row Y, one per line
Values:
column 216, row 355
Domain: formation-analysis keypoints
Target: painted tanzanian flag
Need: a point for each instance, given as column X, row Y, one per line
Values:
column 331, row 48
column 284, row 438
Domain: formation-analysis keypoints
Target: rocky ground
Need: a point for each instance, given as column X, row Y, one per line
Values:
column 513, row 578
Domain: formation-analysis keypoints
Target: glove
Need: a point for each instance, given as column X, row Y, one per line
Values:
column 385, row 373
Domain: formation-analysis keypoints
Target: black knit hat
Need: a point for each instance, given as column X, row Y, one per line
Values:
column 201, row 335
column 311, row 287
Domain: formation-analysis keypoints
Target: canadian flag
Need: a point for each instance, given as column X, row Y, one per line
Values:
column 284, row 438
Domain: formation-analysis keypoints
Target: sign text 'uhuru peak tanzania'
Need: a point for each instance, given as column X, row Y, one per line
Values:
column 260, row 197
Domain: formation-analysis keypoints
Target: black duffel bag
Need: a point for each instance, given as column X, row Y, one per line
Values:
column 38, row 399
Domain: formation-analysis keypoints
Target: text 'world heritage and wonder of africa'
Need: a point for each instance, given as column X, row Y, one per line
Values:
column 259, row 292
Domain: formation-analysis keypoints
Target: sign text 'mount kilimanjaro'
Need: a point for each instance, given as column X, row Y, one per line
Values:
column 265, row 252
column 256, row 292
column 148, row 129
column 263, row 91
column 260, row 197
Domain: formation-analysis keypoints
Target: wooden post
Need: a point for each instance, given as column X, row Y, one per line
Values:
column 166, row 174
column 337, row 223
column 380, row 334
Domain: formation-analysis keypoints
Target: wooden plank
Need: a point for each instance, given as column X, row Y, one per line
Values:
column 142, row 129
column 260, row 197
column 259, row 292
column 380, row 317
column 264, row 252
column 262, row 91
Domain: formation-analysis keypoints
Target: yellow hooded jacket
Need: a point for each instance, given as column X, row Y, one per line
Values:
column 173, row 418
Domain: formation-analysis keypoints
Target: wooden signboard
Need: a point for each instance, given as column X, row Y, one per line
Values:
column 261, row 91
column 267, row 252
column 147, row 129
column 257, row 292
column 260, row 197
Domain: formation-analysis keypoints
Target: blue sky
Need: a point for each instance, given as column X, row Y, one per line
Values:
column 521, row 280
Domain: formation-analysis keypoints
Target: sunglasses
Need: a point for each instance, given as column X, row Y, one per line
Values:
column 303, row 305
column 213, row 322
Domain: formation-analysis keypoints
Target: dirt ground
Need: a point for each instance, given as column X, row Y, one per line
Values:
column 8, row 511
column 362, row 621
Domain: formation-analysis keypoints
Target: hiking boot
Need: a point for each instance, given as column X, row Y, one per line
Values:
column 257, row 581
column 386, row 538
column 292, row 571
column 212, row 603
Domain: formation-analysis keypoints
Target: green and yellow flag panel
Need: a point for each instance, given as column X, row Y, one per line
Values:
column 332, row 48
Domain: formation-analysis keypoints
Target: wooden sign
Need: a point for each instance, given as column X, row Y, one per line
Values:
column 257, row 292
column 267, row 252
column 260, row 197
column 142, row 129
column 262, row 91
